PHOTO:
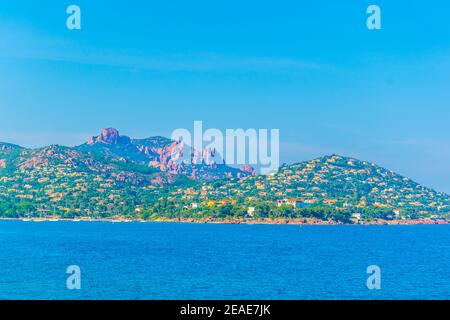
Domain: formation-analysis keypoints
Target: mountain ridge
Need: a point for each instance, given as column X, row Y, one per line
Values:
column 112, row 175
column 159, row 152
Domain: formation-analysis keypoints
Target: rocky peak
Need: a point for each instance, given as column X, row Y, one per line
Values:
column 109, row 136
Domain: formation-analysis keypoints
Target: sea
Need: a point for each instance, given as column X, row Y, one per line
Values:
column 222, row 261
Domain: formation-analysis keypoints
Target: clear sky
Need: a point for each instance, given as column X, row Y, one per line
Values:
column 310, row 68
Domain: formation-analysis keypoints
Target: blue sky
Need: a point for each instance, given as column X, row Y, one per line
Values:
column 310, row 68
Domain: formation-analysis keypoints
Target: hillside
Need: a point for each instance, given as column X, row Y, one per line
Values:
column 114, row 175
column 333, row 183
column 9, row 146
column 62, row 180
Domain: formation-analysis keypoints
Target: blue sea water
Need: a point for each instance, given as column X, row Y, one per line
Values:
column 204, row 261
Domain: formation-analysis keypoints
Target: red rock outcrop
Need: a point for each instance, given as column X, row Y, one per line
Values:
column 109, row 136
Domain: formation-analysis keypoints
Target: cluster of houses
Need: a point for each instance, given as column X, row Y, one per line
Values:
column 342, row 183
column 334, row 181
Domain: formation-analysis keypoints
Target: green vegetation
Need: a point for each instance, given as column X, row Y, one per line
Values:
column 70, row 183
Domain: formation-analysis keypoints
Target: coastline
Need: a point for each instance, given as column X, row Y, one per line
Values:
column 266, row 221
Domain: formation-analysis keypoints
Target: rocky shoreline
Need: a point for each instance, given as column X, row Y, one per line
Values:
column 267, row 221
